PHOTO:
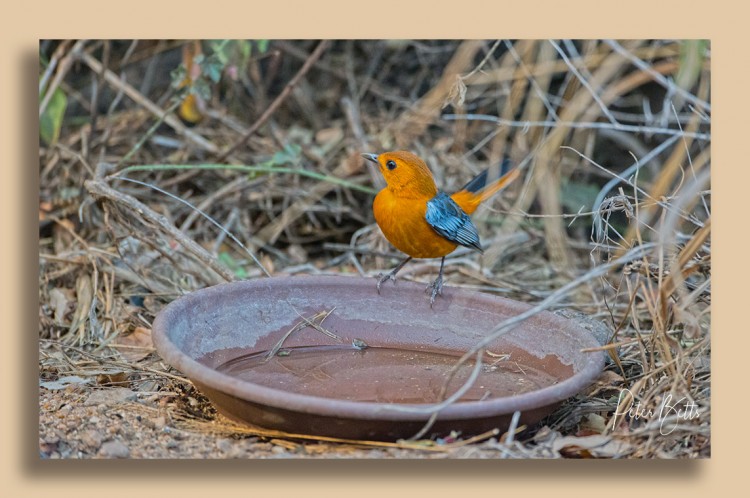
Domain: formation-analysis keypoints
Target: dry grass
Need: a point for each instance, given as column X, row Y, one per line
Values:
column 613, row 139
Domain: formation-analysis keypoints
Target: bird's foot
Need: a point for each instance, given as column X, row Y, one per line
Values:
column 435, row 288
column 391, row 275
column 384, row 277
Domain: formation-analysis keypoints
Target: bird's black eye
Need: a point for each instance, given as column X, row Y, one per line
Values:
column 391, row 165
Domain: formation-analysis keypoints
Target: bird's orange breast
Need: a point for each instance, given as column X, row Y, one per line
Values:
column 403, row 223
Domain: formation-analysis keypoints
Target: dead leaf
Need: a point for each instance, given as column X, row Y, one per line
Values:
column 134, row 346
column 610, row 378
column 694, row 328
column 113, row 379
column 61, row 236
column 329, row 135
column 597, row 446
column 59, row 300
column 607, row 381
column 84, row 297
column 457, row 93
column 267, row 263
column 594, row 423
column 328, row 138
column 63, row 382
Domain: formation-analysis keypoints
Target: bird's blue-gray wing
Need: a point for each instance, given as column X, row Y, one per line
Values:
column 449, row 220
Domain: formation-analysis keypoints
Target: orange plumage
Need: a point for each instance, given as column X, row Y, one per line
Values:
column 421, row 221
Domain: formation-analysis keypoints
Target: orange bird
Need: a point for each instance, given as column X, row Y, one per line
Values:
column 422, row 221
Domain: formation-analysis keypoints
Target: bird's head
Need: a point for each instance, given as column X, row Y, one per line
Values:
column 405, row 173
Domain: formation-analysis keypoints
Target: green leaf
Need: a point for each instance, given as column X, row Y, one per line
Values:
column 213, row 67
column 262, row 46
column 692, row 53
column 246, row 48
column 177, row 76
column 219, row 49
column 50, row 122
column 289, row 155
column 233, row 265
column 202, row 89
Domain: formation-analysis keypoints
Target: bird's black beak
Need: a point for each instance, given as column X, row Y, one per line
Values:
column 371, row 157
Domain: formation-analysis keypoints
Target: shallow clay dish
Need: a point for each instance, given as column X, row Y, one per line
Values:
column 394, row 354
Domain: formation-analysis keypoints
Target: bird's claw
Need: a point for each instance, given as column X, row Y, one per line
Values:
column 435, row 288
column 383, row 277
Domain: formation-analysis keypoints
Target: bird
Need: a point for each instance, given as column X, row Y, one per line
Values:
column 422, row 221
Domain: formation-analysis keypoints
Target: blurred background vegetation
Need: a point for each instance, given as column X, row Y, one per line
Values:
column 147, row 146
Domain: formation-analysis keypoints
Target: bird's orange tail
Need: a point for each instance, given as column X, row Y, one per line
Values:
column 477, row 190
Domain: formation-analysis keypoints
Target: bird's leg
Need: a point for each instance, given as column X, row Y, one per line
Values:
column 437, row 286
column 391, row 275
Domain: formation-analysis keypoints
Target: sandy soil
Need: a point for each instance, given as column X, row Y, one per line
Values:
column 80, row 422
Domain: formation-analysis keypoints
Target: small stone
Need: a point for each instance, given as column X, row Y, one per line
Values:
column 92, row 439
column 224, row 445
column 114, row 449
column 46, row 448
column 177, row 434
column 110, row 396
column 159, row 422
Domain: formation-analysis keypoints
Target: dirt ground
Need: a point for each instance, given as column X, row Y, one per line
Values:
column 118, row 423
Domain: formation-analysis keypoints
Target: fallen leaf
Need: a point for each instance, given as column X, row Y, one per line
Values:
column 594, row 423
column 51, row 120
column 59, row 299
column 113, row 379
column 610, row 378
column 267, row 263
column 134, row 346
column 597, row 446
column 84, row 298
column 63, row 382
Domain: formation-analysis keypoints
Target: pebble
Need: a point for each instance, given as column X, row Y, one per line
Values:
column 53, row 439
column 110, row 396
column 160, row 422
column 114, row 449
column 92, row 439
column 224, row 445
column 157, row 423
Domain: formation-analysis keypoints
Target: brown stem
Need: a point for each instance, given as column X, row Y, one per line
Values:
column 116, row 82
column 277, row 102
column 101, row 190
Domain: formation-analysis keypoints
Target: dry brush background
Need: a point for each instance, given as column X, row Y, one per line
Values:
column 147, row 146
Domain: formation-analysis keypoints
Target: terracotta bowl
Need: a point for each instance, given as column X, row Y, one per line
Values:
column 391, row 360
